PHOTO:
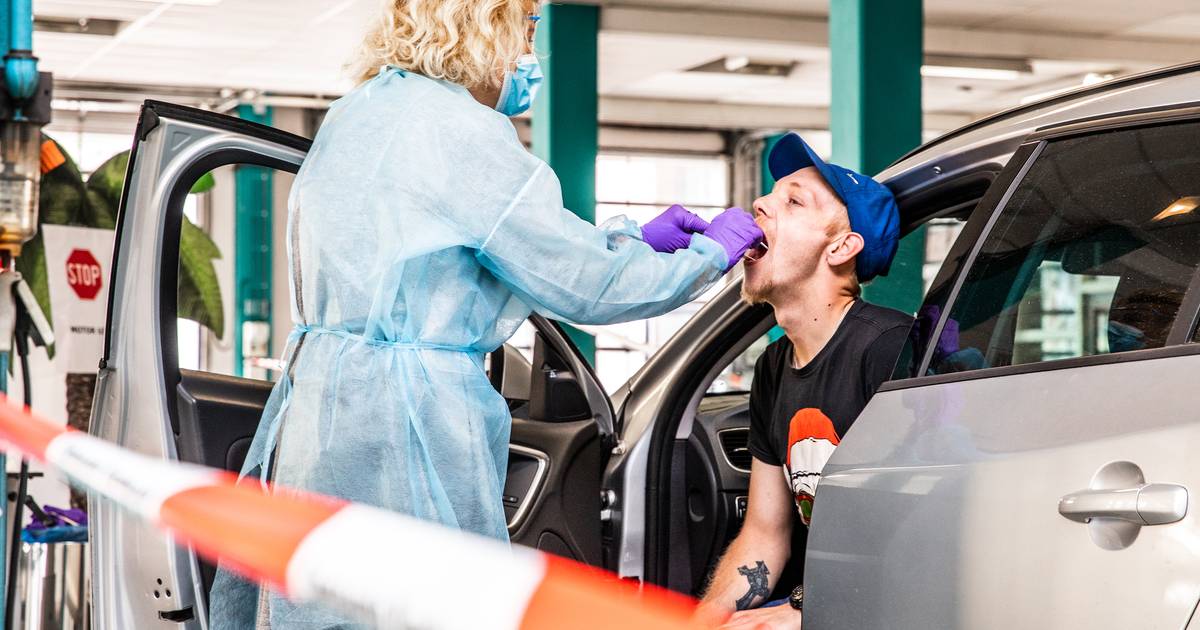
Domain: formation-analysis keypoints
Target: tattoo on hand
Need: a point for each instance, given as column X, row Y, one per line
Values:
column 759, row 585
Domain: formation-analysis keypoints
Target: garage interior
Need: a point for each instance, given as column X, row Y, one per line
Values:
column 646, row 104
column 687, row 97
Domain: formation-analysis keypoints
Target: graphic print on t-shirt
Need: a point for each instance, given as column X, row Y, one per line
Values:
column 811, row 440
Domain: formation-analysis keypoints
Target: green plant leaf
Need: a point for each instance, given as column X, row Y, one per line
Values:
column 108, row 180
column 32, row 265
column 62, row 198
column 199, row 291
column 204, row 184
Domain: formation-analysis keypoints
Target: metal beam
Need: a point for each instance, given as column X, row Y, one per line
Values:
column 123, row 102
column 565, row 120
column 813, row 31
column 617, row 110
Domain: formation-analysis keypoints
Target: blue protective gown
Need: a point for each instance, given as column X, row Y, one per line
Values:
column 421, row 234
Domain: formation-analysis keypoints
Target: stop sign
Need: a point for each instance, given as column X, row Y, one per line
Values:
column 83, row 274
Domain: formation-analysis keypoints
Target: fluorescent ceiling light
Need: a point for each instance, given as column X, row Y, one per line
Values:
column 975, row 67
column 74, row 105
column 1182, row 206
column 201, row 3
column 78, row 26
column 740, row 64
column 987, row 74
column 733, row 64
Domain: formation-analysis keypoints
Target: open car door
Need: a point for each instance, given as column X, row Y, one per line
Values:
column 562, row 427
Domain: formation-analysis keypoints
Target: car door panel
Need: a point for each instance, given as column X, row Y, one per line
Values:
column 135, row 402
column 717, row 477
column 564, row 509
column 218, row 416
column 965, row 480
column 566, row 429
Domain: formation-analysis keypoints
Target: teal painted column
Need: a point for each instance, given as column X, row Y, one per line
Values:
column 252, row 255
column 565, row 116
column 767, row 184
column 876, row 48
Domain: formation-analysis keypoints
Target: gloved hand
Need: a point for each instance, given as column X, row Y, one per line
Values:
column 672, row 229
column 736, row 231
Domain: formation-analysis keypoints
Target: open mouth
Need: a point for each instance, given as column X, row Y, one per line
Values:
column 756, row 253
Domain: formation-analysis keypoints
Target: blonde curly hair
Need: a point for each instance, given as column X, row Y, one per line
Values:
column 468, row 42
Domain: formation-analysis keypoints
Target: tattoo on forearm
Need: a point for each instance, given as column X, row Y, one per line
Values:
column 760, row 586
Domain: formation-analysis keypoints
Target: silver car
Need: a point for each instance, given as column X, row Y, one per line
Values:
column 1027, row 466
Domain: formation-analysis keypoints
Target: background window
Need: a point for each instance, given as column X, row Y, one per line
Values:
column 640, row 186
column 1092, row 255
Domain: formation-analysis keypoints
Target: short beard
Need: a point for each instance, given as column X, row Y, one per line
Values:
column 760, row 296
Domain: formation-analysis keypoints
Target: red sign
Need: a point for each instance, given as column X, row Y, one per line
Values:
column 83, row 274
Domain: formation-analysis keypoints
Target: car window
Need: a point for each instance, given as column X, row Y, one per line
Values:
column 1092, row 255
column 739, row 374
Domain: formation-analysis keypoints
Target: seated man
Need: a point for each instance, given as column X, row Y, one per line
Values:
column 827, row 229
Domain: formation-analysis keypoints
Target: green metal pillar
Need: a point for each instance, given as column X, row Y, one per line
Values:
column 766, row 185
column 252, row 254
column 876, row 48
column 565, row 116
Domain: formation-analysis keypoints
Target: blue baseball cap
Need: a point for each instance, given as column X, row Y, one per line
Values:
column 871, row 206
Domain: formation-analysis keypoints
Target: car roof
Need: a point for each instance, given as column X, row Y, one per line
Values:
column 990, row 141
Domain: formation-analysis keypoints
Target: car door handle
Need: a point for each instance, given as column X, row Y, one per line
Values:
column 1145, row 504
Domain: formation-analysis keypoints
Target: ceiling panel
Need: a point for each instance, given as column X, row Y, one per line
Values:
column 277, row 45
column 1179, row 26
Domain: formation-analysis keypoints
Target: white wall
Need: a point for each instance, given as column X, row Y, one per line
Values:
column 218, row 353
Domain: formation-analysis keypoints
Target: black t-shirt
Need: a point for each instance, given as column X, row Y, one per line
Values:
column 798, row 416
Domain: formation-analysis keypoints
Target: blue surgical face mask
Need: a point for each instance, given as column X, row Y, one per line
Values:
column 520, row 86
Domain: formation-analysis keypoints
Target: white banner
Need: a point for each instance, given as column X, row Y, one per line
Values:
column 77, row 263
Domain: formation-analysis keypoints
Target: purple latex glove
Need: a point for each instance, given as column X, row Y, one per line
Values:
column 77, row 517
column 49, row 516
column 927, row 319
column 672, row 229
column 736, row 231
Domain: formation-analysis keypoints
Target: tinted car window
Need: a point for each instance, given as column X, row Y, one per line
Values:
column 1092, row 255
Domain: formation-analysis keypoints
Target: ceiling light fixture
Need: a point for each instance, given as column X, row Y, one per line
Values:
column 77, row 26
column 733, row 64
column 199, row 3
column 1182, row 206
column 741, row 64
column 975, row 68
column 83, row 107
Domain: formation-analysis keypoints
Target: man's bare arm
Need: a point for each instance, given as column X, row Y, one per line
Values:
column 751, row 565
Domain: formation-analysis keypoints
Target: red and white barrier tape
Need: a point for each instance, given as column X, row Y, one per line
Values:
column 381, row 567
